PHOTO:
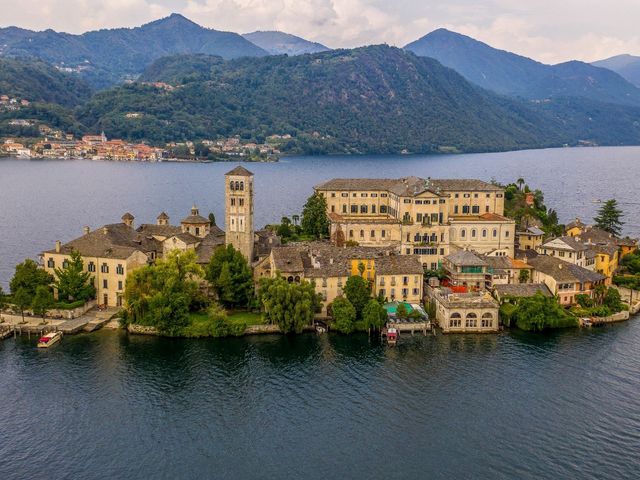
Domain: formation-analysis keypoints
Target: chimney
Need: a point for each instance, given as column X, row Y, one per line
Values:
column 86, row 230
column 58, row 245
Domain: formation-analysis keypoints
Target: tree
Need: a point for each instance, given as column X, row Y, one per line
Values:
column 162, row 295
column 21, row 301
column 72, row 282
column 402, row 311
column 29, row 276
column 609, row 217
column 3, row 303
column 212, row 219
column 314, row 217
column 613, row 300
column 523, row 276
column 230, row 276
column 344, row 315
column 284, row 230
column 358, row 292
column 42, row 301
column 296, row 219
column 374, row 315
column 291, row 306
column 520, row 182
column 539, row 313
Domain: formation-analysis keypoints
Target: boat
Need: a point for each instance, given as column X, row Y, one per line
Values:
column 49, row 339
column 392, row 336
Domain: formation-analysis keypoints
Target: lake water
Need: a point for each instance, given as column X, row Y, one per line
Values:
column 47, row 200
column 107, row 405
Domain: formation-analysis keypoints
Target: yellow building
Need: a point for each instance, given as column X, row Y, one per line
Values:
column 424, row 217
column 529, row 239
column 393, row 276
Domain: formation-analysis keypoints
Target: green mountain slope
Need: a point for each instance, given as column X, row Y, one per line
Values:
column 37, row 81
column 280, row 43
column 372, row 99
column 627, row 66
column 514, row 75
column 106, row 57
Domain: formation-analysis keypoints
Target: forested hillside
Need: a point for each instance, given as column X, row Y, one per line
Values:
column 372, row 99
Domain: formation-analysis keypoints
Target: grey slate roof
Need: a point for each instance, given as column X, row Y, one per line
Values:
column 111, row 241
column 522, row 290
column 240, row 171
column 408, row 186
column 466, row 258
column 564, row 272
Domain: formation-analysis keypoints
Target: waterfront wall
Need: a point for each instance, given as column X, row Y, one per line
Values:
column 55, row 314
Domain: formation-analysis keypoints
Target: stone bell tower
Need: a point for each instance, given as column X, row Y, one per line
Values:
column 239, row 211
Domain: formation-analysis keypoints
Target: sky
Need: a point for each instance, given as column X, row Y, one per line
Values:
column 550, row 31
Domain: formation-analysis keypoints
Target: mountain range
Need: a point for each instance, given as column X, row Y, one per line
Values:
column 172, row 80
column 279, row 43
column 514, row 75
column 627, row 66
column 108, row 57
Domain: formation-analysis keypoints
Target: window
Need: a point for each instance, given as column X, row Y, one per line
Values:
column 434, row 218
column 456, row 195
column 383, row 209
column 231, row 187
column 463, row 233
column 465, row 209
column 241, row 201
column 344, row 194
column 364, row 195
column 51, row 263
column 361, row 233
column 484, row 233
column 373, row 234
column 475, row 209
column 333, row 209
column 363, row 209
column 119, row 284
column 354, row 208
column 350, row 233
column 418, row 217
column 197, row 231
column 473, row 233
column 241, row 186
column 467, row 195
column 65, row 264
column 455, row 321
column 104, row 268
column 344, row 209
column 495, row 233
column 475, row 195
column 407, row 200
column 373, row 209
column 455, row 209
column 374, row 195
column 105, row 284
column 333, row 194
column 506, row 234
column 471, row 321
column 383, row 194
column 91, row 267
column 120, row 269
column 487, row 320
column 233, row 202
column 383, row 233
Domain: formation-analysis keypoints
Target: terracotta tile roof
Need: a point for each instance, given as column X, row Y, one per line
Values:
column 408, row 186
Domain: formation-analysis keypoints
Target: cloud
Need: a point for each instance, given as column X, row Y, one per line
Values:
column 546, row 30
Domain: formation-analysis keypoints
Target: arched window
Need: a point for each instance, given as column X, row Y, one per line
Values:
column 231, row 185
column 297, row 279
column 495, row 233
column 471, row 320
column 487, row 319
column 473, row 233
column 237, row 185
column 350, row 233
column 456, row 315
column 290, row 279
column 463, row 233
column 434, row 237
column 455, row 321
column 361, row 233
column 241, row 186
column 484, row 233
column 487, row 315
column 506, row 234
column 416, row 238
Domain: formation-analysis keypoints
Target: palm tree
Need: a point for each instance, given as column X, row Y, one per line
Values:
column 520, row 182
column 296, row 219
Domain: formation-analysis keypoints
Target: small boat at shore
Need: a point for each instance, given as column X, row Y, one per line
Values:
column 49, row 339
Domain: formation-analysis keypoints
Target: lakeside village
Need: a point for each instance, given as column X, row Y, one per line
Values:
column 41, row 141
column 384, row 256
